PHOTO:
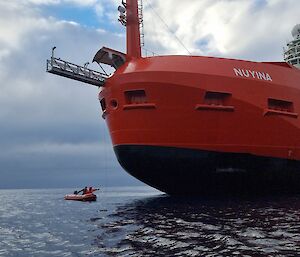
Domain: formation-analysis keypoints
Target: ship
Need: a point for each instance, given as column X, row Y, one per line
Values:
column 197, row 125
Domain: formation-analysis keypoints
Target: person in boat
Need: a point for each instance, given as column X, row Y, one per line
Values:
column 84, row 190
column 91, row 190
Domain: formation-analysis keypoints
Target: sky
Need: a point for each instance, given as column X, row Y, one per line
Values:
column 51, row 130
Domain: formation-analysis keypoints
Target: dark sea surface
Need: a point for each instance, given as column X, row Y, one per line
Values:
column 139, row 221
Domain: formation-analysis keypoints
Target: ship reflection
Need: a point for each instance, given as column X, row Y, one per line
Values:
column 167, row 226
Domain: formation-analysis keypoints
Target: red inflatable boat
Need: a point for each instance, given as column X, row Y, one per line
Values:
column 85, row 198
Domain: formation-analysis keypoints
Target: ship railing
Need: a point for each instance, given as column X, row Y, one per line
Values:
column 76, row 72
column 294, row 58
column 294, row 54
column 291, row 51
column 293, row 62
column 148, row 53
column 288, row 57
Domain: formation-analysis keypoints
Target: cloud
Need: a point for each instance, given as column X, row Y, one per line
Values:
column 255, row 30
column 62, row 2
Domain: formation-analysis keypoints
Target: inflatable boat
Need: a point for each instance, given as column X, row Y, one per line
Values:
column 85, row 197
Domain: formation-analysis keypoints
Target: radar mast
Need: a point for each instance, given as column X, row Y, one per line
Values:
column 292, row 52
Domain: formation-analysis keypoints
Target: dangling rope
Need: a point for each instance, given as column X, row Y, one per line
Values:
column 106, row 156
column 168, row 28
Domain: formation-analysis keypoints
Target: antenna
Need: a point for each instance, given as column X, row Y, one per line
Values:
column 52, row 55
column 122, row 15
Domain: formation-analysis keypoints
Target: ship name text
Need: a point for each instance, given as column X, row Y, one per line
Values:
column 252, row 74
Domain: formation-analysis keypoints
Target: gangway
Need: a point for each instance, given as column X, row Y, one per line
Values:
column 76, row 72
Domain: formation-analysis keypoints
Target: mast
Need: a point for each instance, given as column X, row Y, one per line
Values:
column 292, row 52
column 133, row 30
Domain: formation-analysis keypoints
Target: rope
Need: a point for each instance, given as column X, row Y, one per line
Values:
column 168, row 28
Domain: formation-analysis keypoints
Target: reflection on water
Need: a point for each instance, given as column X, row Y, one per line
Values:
column 166, row 226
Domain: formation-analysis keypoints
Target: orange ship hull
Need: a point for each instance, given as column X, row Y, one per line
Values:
column 197, row 125
column 186, row 124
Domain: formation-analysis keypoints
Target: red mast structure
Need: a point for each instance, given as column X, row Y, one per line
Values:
column 133, row 29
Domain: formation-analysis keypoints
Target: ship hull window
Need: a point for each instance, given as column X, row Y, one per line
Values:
column 280, row 107
column 216, row 101
column 135, row 97
column 216, row 98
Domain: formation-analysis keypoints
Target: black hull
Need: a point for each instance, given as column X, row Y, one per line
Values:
column 179, row 171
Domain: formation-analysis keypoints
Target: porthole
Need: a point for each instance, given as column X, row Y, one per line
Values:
column 114, row 104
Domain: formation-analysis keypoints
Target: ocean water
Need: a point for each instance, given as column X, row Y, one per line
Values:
column 139, row 221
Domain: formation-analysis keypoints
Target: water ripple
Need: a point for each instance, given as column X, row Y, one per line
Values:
column 140, row 222
column 166, row 226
